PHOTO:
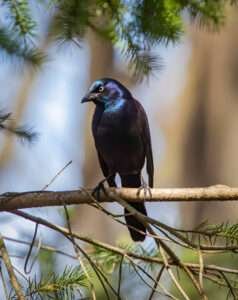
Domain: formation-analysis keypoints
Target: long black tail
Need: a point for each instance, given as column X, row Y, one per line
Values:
column 132, row 222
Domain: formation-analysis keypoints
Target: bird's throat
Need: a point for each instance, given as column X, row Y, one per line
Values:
column 115, row 105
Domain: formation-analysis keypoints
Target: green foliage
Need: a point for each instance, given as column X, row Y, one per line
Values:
column 103, row 264
column 22, row 132
column 227, row 259
column 71, row 20
column 12, row 47
column 227, row 231
column 20, row 15
column 135, row 27
column 67, row 285
column 109, row 260
column 17, row 27
column 46, row 261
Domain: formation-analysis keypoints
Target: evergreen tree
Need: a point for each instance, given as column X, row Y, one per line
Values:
column 134, row 27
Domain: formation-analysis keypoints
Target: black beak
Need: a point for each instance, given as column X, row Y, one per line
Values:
column 85, row 99
column 89, row 97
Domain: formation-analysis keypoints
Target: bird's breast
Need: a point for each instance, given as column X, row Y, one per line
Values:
column 121, row 148
column 118, row 138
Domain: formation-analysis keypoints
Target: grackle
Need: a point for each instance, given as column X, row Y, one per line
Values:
column 122, row 139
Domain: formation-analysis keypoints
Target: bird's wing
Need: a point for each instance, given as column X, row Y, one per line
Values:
column 109, row 177
column 105, row 170
column 103, row 165
column 145, row 134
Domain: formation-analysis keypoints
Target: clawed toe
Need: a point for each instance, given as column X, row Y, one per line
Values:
column 97, row 190
column 146, row 190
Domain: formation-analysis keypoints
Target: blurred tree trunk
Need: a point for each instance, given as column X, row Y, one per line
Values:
column 207, row 126
column 202, row 139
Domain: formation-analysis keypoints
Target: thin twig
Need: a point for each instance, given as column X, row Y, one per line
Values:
column 143, row 219
column 76, row 249
column 229, row 285
column 171, row 274
column 42, row 247
column 157, row 282
column 154, row 289
column 4, row 284
column 194, row 267
column 97, row 270
column 201, row 269
column 148, row 220
column 120, row 275
column 37, row 226
column 13, row 279
column 57, row 175
column 99, row 274
column 30, row 251
column 117, row 250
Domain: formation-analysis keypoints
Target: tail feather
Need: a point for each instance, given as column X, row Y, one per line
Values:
column 132, row 222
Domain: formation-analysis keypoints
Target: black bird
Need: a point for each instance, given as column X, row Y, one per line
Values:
column 122, row 139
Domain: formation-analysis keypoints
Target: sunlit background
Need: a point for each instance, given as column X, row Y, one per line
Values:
column 192, row 109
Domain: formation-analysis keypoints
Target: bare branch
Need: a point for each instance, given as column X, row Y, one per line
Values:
column 13, row 279
column 11, row 201
column 119, row 251
column 172, row 276
column 156, row 282
column 42, row 247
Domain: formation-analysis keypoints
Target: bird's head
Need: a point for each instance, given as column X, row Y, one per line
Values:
column 105, row 91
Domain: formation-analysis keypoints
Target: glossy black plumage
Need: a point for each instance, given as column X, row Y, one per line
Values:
column 122, row 139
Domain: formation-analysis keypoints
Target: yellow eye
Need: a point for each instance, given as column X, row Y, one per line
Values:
column 101, row 88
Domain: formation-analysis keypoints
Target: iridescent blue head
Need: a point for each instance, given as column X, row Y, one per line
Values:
column 105, row 91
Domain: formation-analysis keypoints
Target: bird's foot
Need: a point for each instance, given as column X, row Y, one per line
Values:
column 145, row 189
column 97, row 190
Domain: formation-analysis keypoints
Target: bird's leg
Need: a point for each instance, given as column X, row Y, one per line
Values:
column 100, row 187
column 145, row 188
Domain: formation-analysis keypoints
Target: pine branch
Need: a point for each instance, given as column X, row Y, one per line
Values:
column 112, row 255
column 63, row 286
column 134, row 27
column 116, row 250
column 22, row 132
column 11, row 47
column 70, row 21
column 21, row 17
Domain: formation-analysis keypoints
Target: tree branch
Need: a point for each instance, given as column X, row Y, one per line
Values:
column 13, row 279
column 12, row 201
